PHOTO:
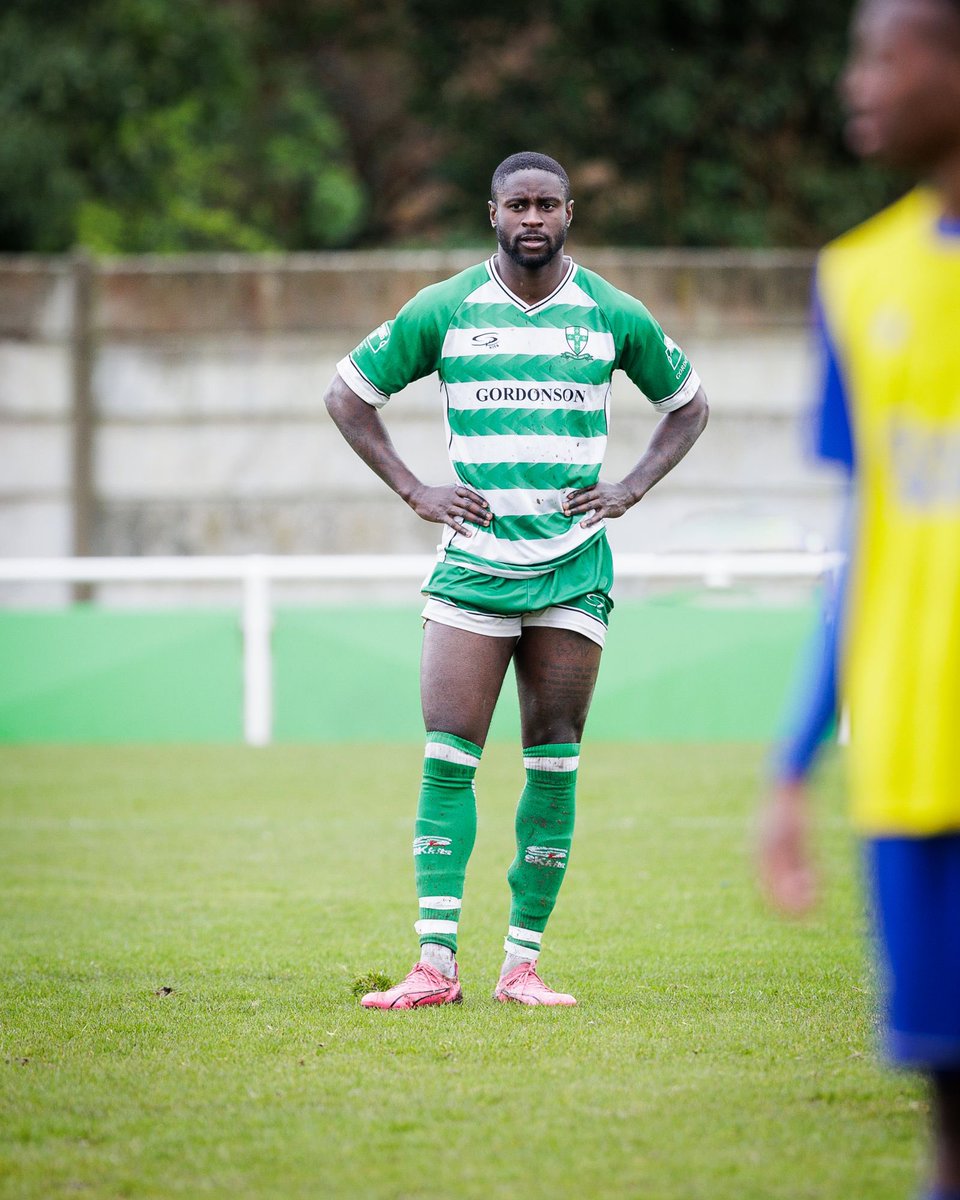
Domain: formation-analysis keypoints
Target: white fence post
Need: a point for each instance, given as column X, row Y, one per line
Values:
column 257, row 571
column 257, row 656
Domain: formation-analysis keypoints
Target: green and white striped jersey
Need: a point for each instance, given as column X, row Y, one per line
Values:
column 526, row 392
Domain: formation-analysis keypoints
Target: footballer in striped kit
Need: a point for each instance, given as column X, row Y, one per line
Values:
column 524, row 346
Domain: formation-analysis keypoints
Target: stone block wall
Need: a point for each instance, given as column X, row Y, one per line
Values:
column 209, row 434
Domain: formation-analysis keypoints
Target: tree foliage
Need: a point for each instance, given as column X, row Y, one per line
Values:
column 686, row 122
column 169, row 125
column 154, row 125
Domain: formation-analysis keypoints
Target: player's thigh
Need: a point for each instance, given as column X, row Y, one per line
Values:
column 556, row 674
column 461, row 674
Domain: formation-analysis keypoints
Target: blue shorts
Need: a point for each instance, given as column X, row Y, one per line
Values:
column 915, row 889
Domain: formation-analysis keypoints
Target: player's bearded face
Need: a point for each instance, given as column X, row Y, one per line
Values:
column 527, row 250
column 530, row 216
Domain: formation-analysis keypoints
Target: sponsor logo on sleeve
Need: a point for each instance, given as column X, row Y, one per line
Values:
column 379, row 338
column 674, row 356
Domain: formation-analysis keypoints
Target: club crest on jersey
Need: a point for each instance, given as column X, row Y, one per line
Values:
column 546, row 856
column 379, row 338
column 889, row 329
column 431, row 845
column 577, row 339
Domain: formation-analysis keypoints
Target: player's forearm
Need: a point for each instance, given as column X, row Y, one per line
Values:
column 815, row 702
column 672, row 439
column 367, row 436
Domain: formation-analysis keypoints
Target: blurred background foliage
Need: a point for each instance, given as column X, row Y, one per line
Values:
column 177, row 125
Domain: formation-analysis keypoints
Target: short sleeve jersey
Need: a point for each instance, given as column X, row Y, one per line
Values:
column 526, row 396
column 890, row 412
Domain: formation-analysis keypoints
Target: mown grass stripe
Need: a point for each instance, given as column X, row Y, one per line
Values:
column 554, row 422
column 128, row 868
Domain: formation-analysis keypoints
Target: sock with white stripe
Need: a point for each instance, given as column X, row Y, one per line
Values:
column 445, row 831
column 545, row 817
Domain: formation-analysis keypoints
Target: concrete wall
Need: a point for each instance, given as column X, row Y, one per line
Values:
column 36, row 322
column 210, row 436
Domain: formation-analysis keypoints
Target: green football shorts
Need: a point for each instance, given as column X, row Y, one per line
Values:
column 575, row 595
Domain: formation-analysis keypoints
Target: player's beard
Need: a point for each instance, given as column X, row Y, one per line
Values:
column 532, row 260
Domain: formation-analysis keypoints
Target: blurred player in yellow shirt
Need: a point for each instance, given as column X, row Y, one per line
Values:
column 888, row 309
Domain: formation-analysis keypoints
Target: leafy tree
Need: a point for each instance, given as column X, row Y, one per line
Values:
column 691, row 122
column 165, row 125
column 151, row 125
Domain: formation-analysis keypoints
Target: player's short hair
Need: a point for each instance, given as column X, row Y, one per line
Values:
column 530, row 160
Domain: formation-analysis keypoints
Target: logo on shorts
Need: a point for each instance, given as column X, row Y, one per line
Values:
column 577, row 339
column 431, row 845
column 546, row 856
column 597, row 602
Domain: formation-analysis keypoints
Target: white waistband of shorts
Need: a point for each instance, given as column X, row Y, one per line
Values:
column 493, row 625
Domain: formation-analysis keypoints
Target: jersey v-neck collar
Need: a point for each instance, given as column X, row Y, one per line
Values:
column 515, row 299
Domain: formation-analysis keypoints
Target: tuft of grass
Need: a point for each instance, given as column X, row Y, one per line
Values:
column 370, row 981
column 715, row 1052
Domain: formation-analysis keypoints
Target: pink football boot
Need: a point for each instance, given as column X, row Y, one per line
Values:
column 524, row 986
column 424, row 985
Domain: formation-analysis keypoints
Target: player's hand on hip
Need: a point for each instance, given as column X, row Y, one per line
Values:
column 598, row 501
column 788, row 875
column 453, row 506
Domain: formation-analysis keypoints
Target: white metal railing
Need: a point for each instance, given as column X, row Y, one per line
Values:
column 256, row 572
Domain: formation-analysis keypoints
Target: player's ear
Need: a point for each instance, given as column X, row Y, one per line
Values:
column 569, row 210
column 492, row 210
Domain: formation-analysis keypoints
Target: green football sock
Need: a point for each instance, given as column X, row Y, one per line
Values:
column 545, row 817
column 445, row 831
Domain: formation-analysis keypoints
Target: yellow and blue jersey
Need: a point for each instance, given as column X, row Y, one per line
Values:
column 889, row 411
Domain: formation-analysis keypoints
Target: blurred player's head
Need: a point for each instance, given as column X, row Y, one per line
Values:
column 902, row 84
column 530, row 207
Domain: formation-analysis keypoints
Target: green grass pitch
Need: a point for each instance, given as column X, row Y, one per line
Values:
column 181, row 928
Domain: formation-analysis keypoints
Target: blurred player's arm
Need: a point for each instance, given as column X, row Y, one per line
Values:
column 787, row 870
column 362, row 427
